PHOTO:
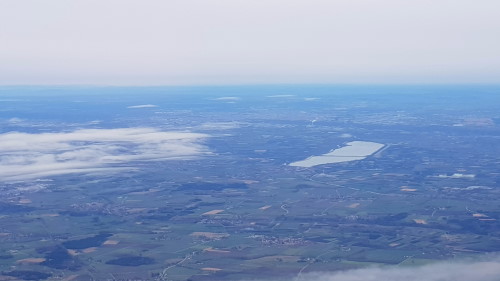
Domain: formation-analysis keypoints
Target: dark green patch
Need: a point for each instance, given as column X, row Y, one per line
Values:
column 5, row 256
column 94, row 241
column 59, row 258
column 13, row 208
column 209, row 186
column 131, row 261
column 75, row 213
column 28, row 274
column 157, row 217
column 320, row 239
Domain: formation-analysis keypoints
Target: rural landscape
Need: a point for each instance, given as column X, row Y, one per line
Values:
column 244, row 182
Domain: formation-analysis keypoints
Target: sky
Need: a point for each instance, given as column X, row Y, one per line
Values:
column 177, row 42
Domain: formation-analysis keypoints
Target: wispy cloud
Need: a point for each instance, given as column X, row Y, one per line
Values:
column 443, row 271
column 227, row 98
column 143, row 106
column 219, row 126
column 14, row 120
column 28, row 156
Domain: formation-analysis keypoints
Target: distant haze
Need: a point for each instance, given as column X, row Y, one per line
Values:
column 153, row 42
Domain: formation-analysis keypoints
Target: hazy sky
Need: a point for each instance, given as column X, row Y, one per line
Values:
column 249, row 41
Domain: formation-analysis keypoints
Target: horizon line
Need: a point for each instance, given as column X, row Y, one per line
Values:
column 89, row 85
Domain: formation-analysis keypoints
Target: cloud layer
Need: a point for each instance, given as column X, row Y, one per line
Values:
column 143, row 106
column 446, row 271
column 28, row 156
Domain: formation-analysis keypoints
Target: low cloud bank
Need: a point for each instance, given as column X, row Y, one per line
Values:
column 27, row 156
column 443, row 271
column 143, row 106
column 227, row 98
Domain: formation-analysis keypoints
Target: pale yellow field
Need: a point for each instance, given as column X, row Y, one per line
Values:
column 210, row 235
column 31, row 260
column 420, row 221
column 213, row 212
column 212, row 250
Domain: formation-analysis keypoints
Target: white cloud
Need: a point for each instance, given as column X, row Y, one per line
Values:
column 444, row 271
column 227, row 98
column 14, row 120
column 219, row 126
column 346, row 135
column 29, row 156
column 143, row 106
